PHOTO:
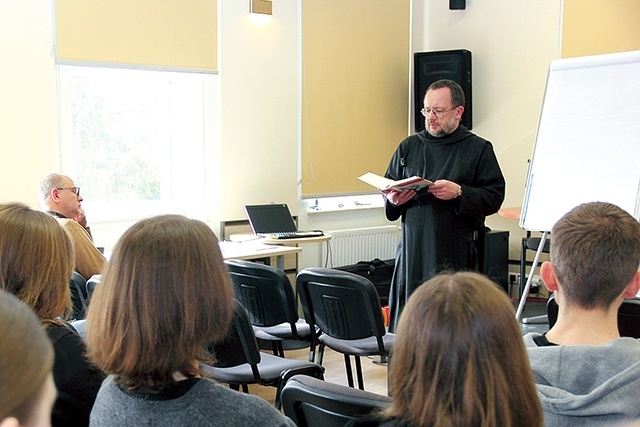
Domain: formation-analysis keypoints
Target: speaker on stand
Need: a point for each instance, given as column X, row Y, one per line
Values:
column 446, row 64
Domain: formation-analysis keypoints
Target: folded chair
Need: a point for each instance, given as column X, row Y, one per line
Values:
column 240, row 362
column 345, row 308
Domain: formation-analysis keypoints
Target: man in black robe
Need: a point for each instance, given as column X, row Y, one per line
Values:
column 443, row 224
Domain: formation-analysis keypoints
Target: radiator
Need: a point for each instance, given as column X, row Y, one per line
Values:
column 361, row 244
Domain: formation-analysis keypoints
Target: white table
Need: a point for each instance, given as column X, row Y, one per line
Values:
column 256, row 249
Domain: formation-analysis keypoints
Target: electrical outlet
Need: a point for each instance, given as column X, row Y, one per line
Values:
column 514, row 277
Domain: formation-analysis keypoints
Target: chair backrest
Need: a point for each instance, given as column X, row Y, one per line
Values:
column 239, row 345
column 77, row 284
column 628, row 316
column 342, row 304
column 265, row 292
column 91, row 285
column 311, row 402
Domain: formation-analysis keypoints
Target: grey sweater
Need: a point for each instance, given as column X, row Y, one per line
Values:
column 205, row 404
column 587, row 385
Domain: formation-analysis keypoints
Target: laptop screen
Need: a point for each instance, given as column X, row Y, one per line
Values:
column 272, row 218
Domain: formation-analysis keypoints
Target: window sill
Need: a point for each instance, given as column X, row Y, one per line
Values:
column 346, row 203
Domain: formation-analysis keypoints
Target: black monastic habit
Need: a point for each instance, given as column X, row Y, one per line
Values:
column 439, row 234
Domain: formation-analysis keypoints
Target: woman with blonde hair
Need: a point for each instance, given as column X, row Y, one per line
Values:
column 27, row 391
column 36, row 263
column 459, row 359
column 165, row 295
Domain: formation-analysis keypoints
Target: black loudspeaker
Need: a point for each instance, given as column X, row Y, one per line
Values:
column 457, row 4
column 446, row 64
column 494, row 257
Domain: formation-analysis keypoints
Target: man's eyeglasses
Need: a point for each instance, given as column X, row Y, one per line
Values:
column 75, row 190
column 438, row 113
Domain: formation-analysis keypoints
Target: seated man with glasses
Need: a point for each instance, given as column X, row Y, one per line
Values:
column 60, row 197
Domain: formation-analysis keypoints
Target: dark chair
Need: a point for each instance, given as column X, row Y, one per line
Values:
column 628, row 316
column 346, row 310
column 311, row 402
column 267, row 295
column 77, row 285
column 239, row 360
column 91, row 285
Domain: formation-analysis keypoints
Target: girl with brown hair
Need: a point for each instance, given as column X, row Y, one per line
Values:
column 166, row 294
column 459, row 359
column 36, row 263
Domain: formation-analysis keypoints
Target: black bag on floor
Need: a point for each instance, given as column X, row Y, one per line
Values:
column 379, row 272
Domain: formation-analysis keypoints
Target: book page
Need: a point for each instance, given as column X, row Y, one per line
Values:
column 382, row 183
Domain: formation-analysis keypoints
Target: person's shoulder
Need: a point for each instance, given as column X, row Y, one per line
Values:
column 239, row 408
column 529, row 339
column 413, row 139
column 71, row 225
column 61, row 333
column 374, row 421
column 625, row 343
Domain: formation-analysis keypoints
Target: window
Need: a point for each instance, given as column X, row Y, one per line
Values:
column 136, row 141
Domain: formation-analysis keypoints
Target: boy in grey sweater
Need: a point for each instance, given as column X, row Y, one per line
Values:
column 586, row 374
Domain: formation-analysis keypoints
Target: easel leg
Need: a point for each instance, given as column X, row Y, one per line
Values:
column 523, row 297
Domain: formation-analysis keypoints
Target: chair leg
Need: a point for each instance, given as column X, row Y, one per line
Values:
column 320, row 354
column 312, row 351
column 245, row 388
column 359, row 373
column 276, row 347
column 280, row 349
column 347, row 366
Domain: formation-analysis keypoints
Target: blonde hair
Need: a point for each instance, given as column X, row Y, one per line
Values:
column 36, row 260
column 459, row 359
column 26, row 359
column 165, row 294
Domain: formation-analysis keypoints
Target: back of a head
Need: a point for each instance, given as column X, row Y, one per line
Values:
column 164, row 294
column 26, row 360
column 48, row 183
column 36, row 260
column 595, row 252
column 458, row 357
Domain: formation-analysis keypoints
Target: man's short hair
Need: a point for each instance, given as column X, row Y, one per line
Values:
column 595, row 252
column 457, row 94
column 48, row 183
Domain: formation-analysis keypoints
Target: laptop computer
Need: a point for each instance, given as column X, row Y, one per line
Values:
column 274, row 221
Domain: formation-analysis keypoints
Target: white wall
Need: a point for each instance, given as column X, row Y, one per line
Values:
column 259, row 105
column 512, row 43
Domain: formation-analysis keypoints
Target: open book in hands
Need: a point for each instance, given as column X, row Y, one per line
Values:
column 384, row 184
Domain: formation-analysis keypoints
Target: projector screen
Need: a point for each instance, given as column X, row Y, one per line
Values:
column 587, row 146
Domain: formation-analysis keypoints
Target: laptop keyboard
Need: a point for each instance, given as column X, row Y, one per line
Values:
column 294, row 234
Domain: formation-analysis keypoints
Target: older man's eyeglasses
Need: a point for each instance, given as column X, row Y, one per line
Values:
column 75, row 190
column 438, row 113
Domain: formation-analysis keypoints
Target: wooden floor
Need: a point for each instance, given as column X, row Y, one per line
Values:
column 375, row 375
